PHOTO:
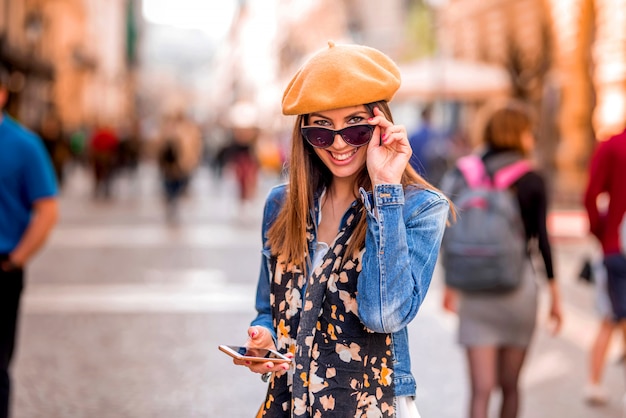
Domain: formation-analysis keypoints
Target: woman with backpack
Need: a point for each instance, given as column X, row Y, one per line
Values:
column 497, row 319
column 350, row 246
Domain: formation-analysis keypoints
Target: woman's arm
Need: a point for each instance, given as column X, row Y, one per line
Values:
column 532, row 195
column 402, row 246
column 533, row 201
column 263, row 306
column 262, row 301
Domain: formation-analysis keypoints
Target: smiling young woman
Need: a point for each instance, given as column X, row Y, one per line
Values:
column 349, row 244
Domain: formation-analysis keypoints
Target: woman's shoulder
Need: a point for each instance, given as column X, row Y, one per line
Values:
column 277, row 193
column 274, row 200
column 534, row 177
column 420, row 197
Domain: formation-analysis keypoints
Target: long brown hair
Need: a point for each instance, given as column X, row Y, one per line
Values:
column 308, row 175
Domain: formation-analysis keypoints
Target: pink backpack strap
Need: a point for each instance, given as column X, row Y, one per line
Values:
column 473, row 170
column 508, row 175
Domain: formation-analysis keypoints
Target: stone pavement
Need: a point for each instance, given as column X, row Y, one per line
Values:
column 122, row 315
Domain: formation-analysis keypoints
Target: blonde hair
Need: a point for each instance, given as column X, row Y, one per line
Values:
column 308, row 174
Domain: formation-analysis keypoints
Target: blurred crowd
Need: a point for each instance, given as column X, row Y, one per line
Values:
column 178, row 146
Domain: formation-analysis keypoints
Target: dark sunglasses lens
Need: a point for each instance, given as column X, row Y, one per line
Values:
column 357, row 136
column 319, row 137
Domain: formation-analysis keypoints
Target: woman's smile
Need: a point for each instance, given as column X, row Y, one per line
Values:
column 344, row 155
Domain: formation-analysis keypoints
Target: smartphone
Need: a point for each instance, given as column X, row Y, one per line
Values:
column 254, row 354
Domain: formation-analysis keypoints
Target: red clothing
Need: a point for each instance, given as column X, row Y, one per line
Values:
column 607, row 173
column 104, row 140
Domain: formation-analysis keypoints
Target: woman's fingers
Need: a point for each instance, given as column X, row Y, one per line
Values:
column 259, row 337
column 380, row 120
column 388, row 131
column 254, row 332
column 394, row 133
column 263, row 367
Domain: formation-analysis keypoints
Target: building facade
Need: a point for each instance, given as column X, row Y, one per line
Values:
column 68, row 57
column 568, row 57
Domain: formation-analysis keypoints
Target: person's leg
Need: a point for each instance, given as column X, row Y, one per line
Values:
column 176, row 189
column 251, row 178
column 107, row 176
column 510, row 362
column 97, row 177
column 239, row 165
column 170, row 188
column 616, row 284
column 482, row 365
column 598, row 353
column 10, row 292
column 597, row 356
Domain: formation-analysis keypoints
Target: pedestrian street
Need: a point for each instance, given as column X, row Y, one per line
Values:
column 122, row 315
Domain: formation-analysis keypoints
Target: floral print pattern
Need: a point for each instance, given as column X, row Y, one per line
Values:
column 341, row 369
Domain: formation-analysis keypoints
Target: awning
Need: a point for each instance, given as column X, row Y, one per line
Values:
column 451, row 79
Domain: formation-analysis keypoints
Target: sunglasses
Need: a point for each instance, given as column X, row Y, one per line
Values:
column 356, row 135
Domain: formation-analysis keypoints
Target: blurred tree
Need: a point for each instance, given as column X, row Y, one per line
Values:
column 528, row 68
column 421, row 30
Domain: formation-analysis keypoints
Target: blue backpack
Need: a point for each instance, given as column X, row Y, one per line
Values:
column 485, row 249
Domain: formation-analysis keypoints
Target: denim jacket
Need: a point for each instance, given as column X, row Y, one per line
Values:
column 401, row 247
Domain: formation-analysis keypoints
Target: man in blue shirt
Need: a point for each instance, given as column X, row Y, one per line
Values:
column 28, row 212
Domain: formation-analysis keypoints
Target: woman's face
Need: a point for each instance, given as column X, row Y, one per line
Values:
column 341, row 158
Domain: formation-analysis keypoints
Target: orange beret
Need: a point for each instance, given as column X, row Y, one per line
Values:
column 341, row 76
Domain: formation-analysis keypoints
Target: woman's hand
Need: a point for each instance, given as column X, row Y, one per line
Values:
column 260, row 337
column 556, row 315
column 388, row 156
column 450, row 300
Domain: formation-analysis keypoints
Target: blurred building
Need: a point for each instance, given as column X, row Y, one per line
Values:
column 73, row 57
column 269, row 40
column 25, row 53
column 568, row 57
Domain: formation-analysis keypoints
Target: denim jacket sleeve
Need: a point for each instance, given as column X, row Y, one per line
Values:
column 263, row 307
column 404, row 232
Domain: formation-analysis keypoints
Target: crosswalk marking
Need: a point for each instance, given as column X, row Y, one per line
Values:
column 147, row 236
column 174, row 291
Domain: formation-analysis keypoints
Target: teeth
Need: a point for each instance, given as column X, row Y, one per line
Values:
column 345, row 156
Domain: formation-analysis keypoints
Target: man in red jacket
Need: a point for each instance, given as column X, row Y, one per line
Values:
column 607, row 173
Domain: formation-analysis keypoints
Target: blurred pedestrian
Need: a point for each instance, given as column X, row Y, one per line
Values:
column 430, row 147
column 78, row 144
column 239, row 154
column 28, row 211
column 607, row 172
column 326, row 295
column 129, row 148
column 179, row 151
column 51, row 131
column 496, row 328
column 595, row 393
column 103, row 157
